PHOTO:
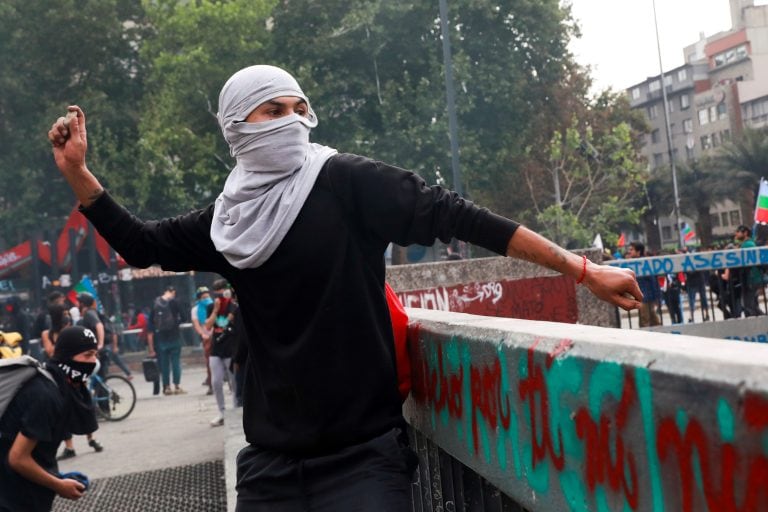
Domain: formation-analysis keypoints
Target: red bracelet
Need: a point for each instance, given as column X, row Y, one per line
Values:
column 583, row 271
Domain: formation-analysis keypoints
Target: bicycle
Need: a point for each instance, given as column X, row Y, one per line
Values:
column 114, row 396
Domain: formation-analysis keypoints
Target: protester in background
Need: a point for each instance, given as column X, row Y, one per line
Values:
column 199, row 315
column 750, row 278
column 165, row 339
column 321, row 397
column 695, row 283
column 671, row 291
column 649, row 286
column 38, row 418
column 59, row 319
column 42, row 323
column 141, row 322
column 221, row 320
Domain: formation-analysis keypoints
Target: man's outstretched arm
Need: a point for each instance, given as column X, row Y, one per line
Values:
column 611, row 284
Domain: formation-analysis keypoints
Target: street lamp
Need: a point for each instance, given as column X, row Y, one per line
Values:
column 670, row 152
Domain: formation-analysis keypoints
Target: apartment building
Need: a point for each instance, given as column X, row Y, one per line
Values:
column 721, row 88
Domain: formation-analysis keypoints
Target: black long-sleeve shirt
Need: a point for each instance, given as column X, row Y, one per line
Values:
column 322, row 369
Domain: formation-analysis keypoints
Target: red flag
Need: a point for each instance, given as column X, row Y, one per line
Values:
column 621, row 241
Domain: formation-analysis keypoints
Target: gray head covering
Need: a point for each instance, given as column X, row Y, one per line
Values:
column 276, row 167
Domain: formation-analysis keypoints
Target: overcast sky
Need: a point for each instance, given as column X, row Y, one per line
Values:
column 619, row 39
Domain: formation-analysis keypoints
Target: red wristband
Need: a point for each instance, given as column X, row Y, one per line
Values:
column 583, row 271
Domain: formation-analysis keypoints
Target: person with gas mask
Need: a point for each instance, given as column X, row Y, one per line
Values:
column 321, row 409
column 40, row 416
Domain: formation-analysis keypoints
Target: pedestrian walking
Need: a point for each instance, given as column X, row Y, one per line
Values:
column 322, row 412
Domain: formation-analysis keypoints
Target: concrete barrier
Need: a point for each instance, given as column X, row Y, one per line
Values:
column 753, row 329
column 504, row 287
column 581, row 418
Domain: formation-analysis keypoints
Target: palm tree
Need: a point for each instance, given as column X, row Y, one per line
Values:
column 742, row 162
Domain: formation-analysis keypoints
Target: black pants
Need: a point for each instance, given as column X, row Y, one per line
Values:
column 371, row 477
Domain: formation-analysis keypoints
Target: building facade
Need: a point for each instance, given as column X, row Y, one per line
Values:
column 721, row 89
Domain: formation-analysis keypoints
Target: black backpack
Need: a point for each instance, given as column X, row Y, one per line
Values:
column 164, row 318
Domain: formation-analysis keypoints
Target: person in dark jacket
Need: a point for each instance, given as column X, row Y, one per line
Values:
column 321, row 413
column 649, row 286
column 38, row 418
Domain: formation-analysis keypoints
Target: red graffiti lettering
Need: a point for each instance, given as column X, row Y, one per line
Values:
column 600, row 469
column 444, row 389
column 485, row 386
column 732, row 463
column 531, row 388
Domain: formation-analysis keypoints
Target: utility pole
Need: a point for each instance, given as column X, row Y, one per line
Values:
column 670, row 152
column 450, row 99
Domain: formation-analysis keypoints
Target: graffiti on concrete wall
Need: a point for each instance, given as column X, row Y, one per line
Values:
column 541, row 298
column 591, row 435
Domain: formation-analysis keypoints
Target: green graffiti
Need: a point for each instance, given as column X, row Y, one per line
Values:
column 726, row 421
column 645, row 396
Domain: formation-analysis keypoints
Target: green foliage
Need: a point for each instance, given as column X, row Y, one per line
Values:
column 192, row 50
column 597, row 174
column 148, row 74
column 55, row 54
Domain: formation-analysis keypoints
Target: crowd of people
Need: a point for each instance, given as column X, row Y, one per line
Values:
column 735, row 292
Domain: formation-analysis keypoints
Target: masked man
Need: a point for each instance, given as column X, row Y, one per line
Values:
column 322, row 412
column 38, row 418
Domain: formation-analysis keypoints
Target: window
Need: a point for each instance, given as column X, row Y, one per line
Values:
column 715, row 220
column 712, row 113
column 722, row 110
column 655, row 137
column 667, row 81
column 732, row 55
column 688, row 126
column 654, row 86
column 706, row 142
column 682, row 75
column 689, row 153
column 735, row 218
column 724, row 216
column 725, row 135
column 666, row 232
column 715, row 140
column 685, row 102
column 703, row 117
column 658, row 159
column 653, row 112
column 636, row 93
column 670, row 106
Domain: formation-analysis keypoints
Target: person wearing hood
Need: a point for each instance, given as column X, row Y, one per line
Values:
column 39, row 417
column 321, row 409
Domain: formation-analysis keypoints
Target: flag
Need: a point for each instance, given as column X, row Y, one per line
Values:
column 688, row 233
column 621, row 241
column 761, row 207
column 85, row 285
column 598, row 242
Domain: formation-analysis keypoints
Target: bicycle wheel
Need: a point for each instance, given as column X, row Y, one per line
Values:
column 122, row 397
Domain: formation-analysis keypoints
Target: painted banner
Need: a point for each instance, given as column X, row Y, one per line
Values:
column 712, row 260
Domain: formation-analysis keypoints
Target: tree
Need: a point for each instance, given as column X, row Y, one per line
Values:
column 596, row 176
column 741, row 163
column 374, row 72
column 54, row 55
column 192, row 49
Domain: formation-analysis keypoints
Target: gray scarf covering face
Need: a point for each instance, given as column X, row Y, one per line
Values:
column 276, row 167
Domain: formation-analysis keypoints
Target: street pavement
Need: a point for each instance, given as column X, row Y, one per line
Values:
column 162, row 432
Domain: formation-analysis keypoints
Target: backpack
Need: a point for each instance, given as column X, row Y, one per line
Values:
column 163, row 318
column 14, row 373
